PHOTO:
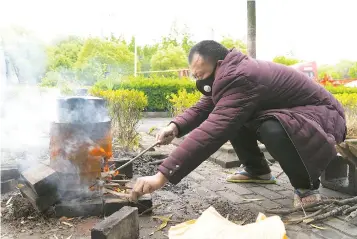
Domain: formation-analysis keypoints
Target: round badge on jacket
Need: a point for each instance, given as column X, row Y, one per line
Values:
column 207, row 88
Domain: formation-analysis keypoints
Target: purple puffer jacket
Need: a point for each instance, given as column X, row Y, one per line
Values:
column 245, row 91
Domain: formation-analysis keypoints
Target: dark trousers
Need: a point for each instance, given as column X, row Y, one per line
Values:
column 278, row 144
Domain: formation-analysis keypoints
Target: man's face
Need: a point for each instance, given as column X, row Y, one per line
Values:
column 200, row 68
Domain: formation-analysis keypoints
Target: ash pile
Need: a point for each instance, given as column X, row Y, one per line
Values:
column 80, row 179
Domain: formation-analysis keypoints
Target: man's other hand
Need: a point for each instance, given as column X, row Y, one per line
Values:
column 148, row 184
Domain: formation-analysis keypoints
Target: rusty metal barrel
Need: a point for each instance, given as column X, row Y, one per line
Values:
column 82, row 123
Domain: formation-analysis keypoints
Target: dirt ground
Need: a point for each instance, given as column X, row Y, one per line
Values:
column 20, row 220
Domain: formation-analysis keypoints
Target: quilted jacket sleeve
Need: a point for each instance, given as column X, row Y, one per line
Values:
column 235, row 107
column 194, row 116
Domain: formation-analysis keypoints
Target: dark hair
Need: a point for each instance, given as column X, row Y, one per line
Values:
column 209, row 50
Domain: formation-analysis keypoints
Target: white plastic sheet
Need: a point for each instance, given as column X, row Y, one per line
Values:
column 211, row 225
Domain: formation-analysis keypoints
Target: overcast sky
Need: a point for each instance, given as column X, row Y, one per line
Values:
column 313, row 29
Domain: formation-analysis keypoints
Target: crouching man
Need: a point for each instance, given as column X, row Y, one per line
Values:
column 245, row 100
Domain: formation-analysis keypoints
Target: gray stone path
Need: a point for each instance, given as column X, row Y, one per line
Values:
column 209, row 179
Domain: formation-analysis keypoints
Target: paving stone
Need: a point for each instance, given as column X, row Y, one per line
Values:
column 196, row 176
column 274, row 187
column 124, row 224
column 78, row 208
column 40, row 203
column 329, row 233
column 342, row 226
column 302, row 235
column 205, row 192
column 287, row 202
column 213, row 186
column 238, row 189
column 268, row 204
column 331, row 193
column 231, row 196
column 8, row 185
column 266, row 193
column 42, row 179
column 287, row 193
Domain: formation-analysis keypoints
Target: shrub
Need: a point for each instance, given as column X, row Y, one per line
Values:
column 341, row 89
column 351, row 122
column 125, row 108
column 183, row 100
column 157, row 90
column 348, row 101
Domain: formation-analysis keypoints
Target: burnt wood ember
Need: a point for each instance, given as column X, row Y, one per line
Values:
column 41, row 178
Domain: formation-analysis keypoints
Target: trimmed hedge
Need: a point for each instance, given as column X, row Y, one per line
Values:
column 160, row 90
column 156, row 89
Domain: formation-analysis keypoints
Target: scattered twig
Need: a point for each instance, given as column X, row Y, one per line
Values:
column 120, row 181
column 346, row 201
column 8, row 201
column 348, row 210
column 69, row 237
column 54, row 235
column 252, row 199
column 331, row 213
column 298, row 220
column 352, row 215
column 67, row 223
column 150, row 209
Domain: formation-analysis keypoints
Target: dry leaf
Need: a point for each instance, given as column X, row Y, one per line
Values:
column 164, row 220
column 321, row 228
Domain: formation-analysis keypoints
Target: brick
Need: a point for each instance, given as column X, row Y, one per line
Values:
column 266, row 193
column 40, row 203
column 9, row 172
column 8, row 186
column 302, row 235
column 342, row 226
column 124, row 224
column 239, row 189
column 41, row 178
column 78, row 208
column 114, row 204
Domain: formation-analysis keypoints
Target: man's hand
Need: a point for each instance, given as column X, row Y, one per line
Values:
column 167, row 134
column 148, row 184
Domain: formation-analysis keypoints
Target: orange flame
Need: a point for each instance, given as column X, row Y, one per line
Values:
column 97, row 151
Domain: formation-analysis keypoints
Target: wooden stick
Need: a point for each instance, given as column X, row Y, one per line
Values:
column 157, row 162
column 332, row 213
column 298, row 220
column 116, row 193
column 139, row 155
column 117, row 185
column 120, row 181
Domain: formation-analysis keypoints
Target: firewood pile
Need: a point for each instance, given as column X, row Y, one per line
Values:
column 321, row 211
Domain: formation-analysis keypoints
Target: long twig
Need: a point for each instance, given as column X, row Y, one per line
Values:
column 332, row 213
column 328, row 201
column 150, row 209
column 352, row 215
column 348, row 210
column 298, row 220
